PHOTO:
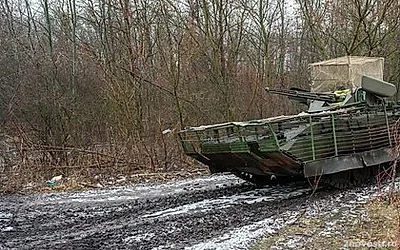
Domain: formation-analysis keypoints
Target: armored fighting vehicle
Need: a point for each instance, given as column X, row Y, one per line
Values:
column 343, row 138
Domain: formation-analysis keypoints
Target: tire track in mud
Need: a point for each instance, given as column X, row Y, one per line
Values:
column 166, row 216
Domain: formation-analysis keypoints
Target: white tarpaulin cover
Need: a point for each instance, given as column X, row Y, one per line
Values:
column 344, row 72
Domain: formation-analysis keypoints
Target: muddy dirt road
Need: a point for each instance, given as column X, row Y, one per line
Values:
column 217, row 212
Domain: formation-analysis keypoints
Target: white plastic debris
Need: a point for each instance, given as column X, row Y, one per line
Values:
column 56, row 178
column 166, row 131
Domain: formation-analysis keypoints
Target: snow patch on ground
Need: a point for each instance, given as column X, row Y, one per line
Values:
column 140, row 191
column 138, row 238
column 250, row 197
column 342, row 205
column 165, row 247
column 5, row 219
column 241, row 238
column 7, row 229
column 336, row 210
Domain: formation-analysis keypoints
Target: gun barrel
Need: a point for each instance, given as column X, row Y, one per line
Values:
column 303, row 94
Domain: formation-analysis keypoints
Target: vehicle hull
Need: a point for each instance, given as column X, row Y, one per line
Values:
column 304, row 145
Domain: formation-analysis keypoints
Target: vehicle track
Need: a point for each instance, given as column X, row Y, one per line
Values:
column 165, row 216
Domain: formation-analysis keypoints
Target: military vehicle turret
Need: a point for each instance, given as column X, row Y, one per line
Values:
column 343, row 138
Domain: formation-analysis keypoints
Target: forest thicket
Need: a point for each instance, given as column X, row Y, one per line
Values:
column 88, row 85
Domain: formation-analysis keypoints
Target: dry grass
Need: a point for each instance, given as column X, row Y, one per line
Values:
column 384, row 224
column 28, row 182
column 379, row 229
